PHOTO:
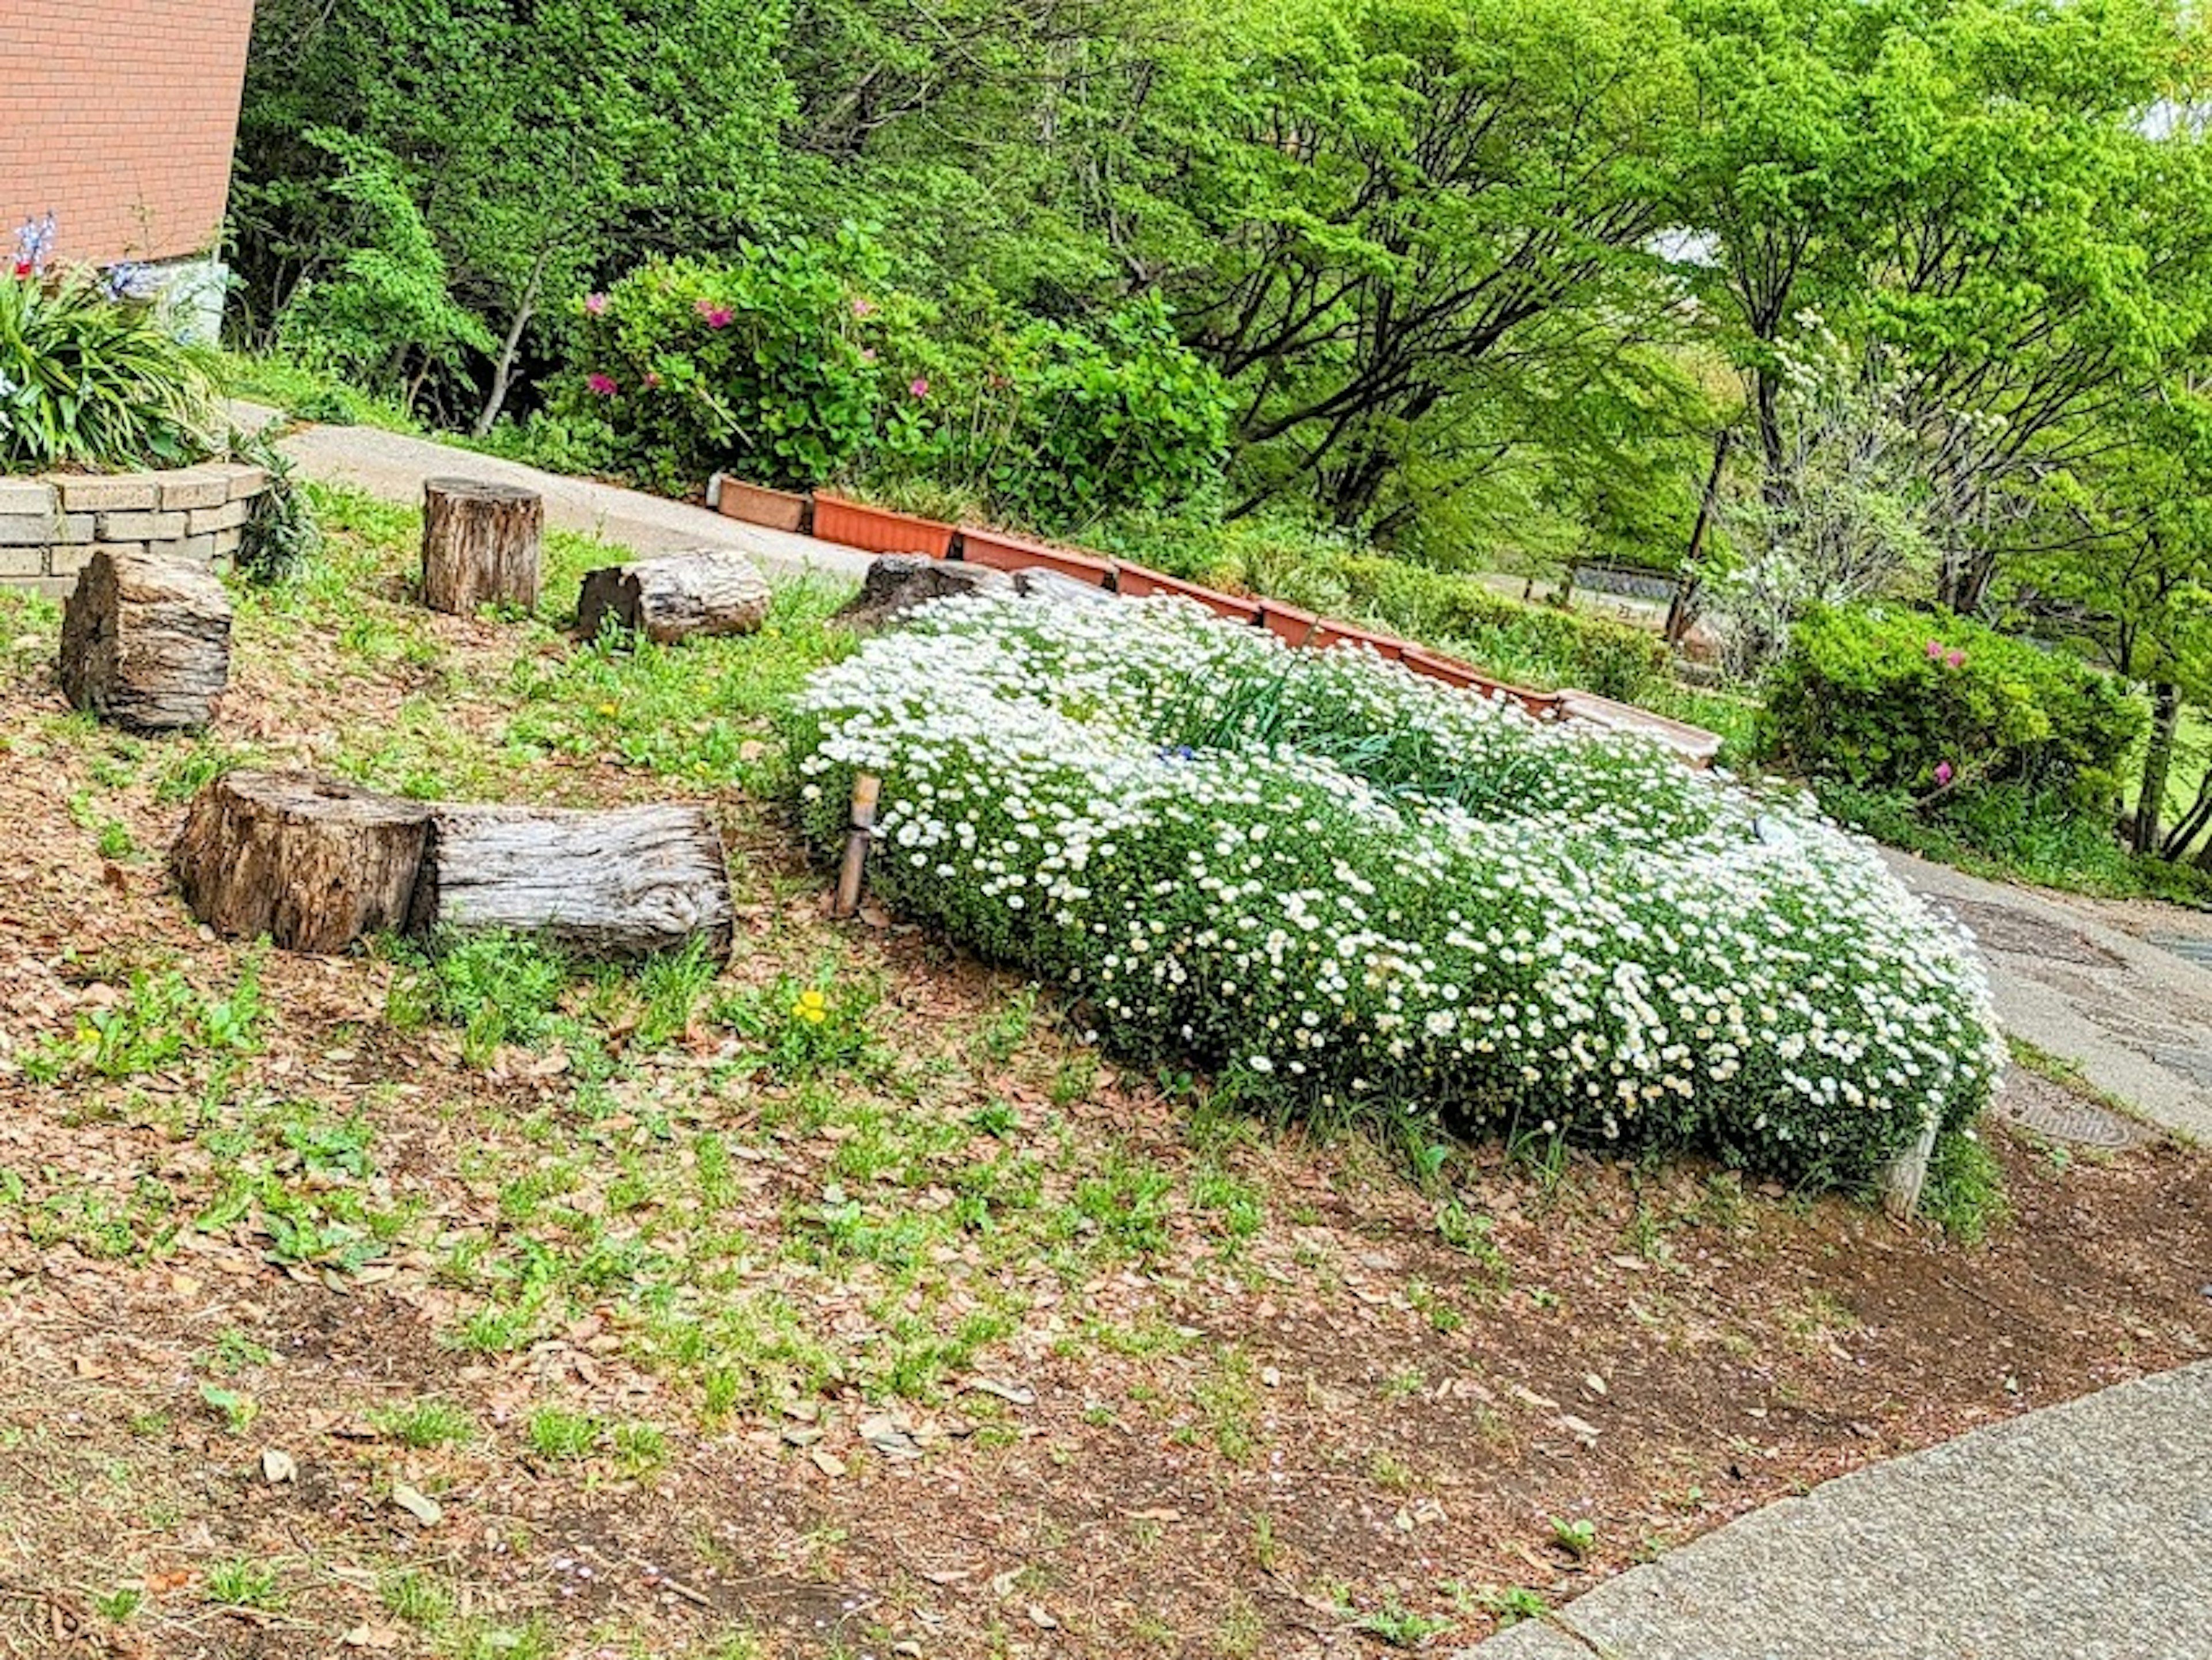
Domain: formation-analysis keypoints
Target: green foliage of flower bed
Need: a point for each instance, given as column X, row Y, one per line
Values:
column 1886, row 699
column 1534, row 645
column 89, row 380
column 1346, row 888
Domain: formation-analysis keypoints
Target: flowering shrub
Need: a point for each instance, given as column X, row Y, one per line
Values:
column 1343, row 886
column 764, row 365
column 1889, row 699
column 91, row 377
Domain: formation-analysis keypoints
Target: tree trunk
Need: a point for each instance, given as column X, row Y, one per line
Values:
column 313, row 863
column 480, row 544
column 145, row 643
column 1680, row 610
column 667, row 600
column 2158, row 761
column 625, row 882
column 502, row 368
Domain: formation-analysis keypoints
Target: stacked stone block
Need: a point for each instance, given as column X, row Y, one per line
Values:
column 50, row 526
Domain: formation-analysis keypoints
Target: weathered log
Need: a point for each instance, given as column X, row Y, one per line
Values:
column 897, row 582
column 313, row 863
column 704, row 592
column 480, row 544
column 624, row 882
column 145, row 643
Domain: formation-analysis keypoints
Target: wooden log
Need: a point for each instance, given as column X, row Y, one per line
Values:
column 624, row 882
column 1907, row 1173
column 313, row 863
column 480, row 544
column 665, row 600
column 145, row 643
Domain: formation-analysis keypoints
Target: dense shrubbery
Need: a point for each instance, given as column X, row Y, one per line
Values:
column 770, row 365
column 1051, row 426
column 1347, row 887
column 800, row 364
column 92, row 377
column 1894, row 700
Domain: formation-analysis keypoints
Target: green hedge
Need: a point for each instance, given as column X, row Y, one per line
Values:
column 1888, row 699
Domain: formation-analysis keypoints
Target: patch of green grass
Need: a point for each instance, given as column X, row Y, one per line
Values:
column 699, row 711
column 245, row 1582
column 412, row 1595
column 1577, row 1537
column 559, row 1435
column 159, row 1019
column 428, row 1422
column 1399, row 1626
column 1965, row 1191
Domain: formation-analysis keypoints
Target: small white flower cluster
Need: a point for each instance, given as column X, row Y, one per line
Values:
column 1343, row 884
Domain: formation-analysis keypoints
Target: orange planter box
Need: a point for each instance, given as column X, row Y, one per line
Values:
column 1000, row 551
column 1292, row 624
column 878, row 529
column 1326, row 633
column 756, row 504
column 1141, row 582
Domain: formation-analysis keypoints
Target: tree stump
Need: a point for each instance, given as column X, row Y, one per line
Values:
column 480, row 544
column 703, row 592
column 145, row 643
column 898, row 582
column 313, row 863
column 624, row 882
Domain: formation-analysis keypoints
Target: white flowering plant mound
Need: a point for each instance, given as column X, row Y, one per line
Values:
column 1341, row 885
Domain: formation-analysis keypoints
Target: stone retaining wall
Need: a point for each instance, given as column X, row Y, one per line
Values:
column 50, row 526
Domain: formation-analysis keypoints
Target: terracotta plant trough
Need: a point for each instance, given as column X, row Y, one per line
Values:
column 1326, row 633
column 756, row 504
column 878, row 529
column 1141, row 582
column 1001, row 551
column 1292, row 624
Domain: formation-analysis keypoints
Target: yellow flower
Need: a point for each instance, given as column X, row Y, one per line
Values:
column 812, row 999
column 607, row 708
column 811, row 1013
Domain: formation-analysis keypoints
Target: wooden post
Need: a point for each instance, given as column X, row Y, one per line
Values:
column 145, row 643
column 866, row 786
column 1907, row 1173
column 480, row 544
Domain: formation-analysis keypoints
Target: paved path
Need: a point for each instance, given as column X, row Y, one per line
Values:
column 393, row 467
column 2079, row 1532
column 2083, row 979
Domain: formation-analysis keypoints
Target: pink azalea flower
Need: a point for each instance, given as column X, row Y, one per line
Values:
column 867, row 354
column 1935, row 651
column 1943, row 774
column 595, row 303
column 652, row 379
column 718, row 317
column 1955, row 658
column 863, row 309
column 601, row 384
column 920, row 388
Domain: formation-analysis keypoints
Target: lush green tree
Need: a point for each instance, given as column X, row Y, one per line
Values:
column 545, row 144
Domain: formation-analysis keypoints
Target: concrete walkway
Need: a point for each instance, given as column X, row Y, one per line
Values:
column 2080, row 1532
column 392, row 467
column 2098, row 983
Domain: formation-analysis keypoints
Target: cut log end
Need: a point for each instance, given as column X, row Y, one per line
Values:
column 482, row 544
column 624, row 883
column 145, row 643
column 669, row 599
column 314, row 863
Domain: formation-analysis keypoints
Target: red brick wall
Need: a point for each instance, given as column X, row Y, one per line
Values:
column 118, row 116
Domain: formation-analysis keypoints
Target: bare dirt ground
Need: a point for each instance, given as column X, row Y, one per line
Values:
column 340, row 1315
